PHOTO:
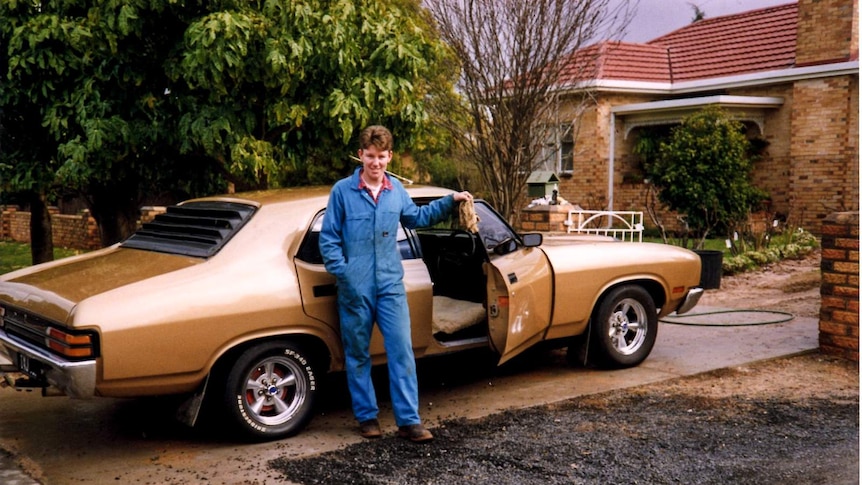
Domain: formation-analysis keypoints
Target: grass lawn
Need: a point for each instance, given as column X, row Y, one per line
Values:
column 15, row 255
column 711, row 244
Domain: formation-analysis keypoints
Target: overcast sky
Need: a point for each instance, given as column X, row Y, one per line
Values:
column 655, row 18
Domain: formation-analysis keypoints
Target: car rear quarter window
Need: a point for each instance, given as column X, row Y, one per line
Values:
column 198, row 229
column 309, row 250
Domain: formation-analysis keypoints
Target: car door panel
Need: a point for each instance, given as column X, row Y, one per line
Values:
column 520, row 298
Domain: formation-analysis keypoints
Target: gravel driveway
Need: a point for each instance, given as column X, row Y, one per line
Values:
column 747, row 425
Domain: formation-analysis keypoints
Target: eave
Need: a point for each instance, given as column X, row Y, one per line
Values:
column 764, row 78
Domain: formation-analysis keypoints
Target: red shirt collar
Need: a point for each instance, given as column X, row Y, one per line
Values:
column 387, row 185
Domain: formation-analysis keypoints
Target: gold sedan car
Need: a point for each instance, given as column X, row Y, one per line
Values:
column 226, row 298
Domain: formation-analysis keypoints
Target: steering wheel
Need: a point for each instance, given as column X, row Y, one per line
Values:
column 452, row 241
column 452, row 254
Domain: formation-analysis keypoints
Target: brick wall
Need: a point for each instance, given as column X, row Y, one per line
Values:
column 78, row 231
column 839, row 290
column 816, row 43
column 824, row 155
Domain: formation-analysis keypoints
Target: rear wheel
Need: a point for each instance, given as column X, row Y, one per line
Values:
column 270, row 391
column 624, row 327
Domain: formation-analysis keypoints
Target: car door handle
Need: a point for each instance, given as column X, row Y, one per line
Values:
column 323, row 290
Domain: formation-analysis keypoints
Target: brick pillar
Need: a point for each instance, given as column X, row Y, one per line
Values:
column 91, row 228
column 6, row 222
column 545, row 218
column 839, row 288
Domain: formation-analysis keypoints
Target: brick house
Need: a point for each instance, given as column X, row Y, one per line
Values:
column 790, row 73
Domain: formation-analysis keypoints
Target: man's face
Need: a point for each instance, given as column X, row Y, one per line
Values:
column 374, row 161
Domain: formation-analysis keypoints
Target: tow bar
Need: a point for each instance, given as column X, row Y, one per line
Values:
column 22, row 383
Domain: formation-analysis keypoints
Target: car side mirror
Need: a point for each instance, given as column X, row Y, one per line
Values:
column 532, row 239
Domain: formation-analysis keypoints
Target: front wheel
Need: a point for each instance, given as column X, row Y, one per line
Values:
column 624, row 327
column 270, row 391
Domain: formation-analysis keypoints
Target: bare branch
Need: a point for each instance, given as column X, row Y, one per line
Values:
column 515, row 57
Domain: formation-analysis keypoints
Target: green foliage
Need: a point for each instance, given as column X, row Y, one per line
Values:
column 292, row 83
column 791, row 245
column 702, row 171
column 125, row 98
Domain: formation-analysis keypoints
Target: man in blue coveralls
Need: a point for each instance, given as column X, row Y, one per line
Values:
column 358, row 244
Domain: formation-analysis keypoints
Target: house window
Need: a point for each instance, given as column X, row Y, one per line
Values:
column 558, row 150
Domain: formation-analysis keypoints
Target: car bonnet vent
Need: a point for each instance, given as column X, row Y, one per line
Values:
column 196, row 229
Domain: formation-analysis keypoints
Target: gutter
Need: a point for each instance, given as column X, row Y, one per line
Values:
column 763, row 78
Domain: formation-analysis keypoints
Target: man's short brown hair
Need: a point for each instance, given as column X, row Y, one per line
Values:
column 376, row 135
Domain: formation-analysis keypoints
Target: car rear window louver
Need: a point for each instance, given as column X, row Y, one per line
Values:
column 196, row 229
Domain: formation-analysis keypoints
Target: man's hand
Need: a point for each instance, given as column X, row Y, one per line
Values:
column 462, row 196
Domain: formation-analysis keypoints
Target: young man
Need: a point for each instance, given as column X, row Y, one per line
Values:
column 358, row 244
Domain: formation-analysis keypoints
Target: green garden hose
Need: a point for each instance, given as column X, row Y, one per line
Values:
column 781, row 317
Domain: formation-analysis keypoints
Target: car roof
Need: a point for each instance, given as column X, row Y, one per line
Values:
column 263, row 198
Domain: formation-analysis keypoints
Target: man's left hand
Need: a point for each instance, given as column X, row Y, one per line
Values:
column 462, row 196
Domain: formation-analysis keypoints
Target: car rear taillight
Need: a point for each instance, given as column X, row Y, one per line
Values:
column 69, row 345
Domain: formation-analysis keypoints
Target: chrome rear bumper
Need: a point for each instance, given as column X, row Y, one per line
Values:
column 75, row 379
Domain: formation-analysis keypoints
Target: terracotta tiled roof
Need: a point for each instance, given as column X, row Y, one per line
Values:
column 759, row 40
column 620, row 60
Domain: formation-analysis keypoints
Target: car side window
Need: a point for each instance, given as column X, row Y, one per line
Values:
column 309, row 250
column 493, row 229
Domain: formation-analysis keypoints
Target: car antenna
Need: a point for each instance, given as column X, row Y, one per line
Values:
column 403, row 179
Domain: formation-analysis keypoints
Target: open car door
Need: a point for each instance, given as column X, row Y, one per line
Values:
column 519, row 300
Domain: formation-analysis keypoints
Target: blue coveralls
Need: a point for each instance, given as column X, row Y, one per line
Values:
column 358, row 244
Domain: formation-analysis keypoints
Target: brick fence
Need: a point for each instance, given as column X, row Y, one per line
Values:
column 839, row 288
column 78, row 231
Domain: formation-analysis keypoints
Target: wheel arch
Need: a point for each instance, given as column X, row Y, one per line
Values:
column 655, row 289
column 316, row 347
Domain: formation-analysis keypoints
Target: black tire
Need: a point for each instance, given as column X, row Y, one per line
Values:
column 624, row 327
column 270, row 391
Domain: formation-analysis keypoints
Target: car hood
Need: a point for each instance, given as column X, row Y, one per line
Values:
column 53, row 289
column 639, row 258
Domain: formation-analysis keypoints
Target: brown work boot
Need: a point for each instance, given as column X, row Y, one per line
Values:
column 370, row 429
column 415, row 433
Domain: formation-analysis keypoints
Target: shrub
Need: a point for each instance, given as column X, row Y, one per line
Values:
column 803, row 243
column 701, row 170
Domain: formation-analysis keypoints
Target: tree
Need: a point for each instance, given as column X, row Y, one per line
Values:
column 277, row 93
column 26, row 170
column 702, row 170
column 90, row 74
column 514, row 59
column 145, row 95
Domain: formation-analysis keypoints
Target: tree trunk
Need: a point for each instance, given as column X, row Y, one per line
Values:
column 41, row 233
column 115, row 209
